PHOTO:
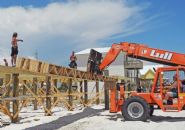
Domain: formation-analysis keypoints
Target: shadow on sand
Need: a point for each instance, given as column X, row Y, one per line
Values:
column 90, row 112
column 114, row 117
column 68, row 119
column 153, row 118
column 166, row 119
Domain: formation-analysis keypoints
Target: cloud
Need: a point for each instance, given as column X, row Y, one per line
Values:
column 57, row 29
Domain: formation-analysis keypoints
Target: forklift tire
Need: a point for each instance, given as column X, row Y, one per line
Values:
column 135, row 109
column 151, row 111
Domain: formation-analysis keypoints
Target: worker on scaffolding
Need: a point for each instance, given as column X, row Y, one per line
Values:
column 5, row 62
column 73, row 60
column 14, row 49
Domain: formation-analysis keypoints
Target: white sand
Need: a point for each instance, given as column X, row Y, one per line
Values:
column 95, row 118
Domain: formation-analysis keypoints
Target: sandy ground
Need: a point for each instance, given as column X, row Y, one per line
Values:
column 94, row 118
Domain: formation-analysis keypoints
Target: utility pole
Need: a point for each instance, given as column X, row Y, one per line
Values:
column 36, row 55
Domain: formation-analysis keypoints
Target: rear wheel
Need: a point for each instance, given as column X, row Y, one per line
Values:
column 135, row 109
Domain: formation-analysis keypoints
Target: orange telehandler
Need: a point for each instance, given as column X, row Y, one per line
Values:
column 140, row 106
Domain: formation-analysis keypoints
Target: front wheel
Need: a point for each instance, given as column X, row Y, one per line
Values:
column 135, row 109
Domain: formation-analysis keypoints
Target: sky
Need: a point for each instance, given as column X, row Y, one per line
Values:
column 54, row 28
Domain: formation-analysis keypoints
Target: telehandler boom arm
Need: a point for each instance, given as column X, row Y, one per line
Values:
column 143, row 52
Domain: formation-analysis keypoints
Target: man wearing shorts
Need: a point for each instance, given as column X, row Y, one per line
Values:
column 172, row 90
column 14, row 49
column 73, row 59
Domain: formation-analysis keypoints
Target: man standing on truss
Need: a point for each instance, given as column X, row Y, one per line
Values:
column 14, row 49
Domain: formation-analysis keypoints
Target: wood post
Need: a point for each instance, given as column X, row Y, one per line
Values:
column 24, row 91
column 70, row 92
column 97, row 93
column 55, row 84
column 85, row 92
column 106, row 95
column 7, row 85
column 15, row 94
column 48, row 99
column 35, row 91
column 106, row 92
column 41, row 86
column 81, row 90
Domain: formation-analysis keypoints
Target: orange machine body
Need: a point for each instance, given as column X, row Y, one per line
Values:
column 139, row 51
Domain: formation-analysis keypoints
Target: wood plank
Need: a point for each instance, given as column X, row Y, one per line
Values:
column 97, row 93
column 55, row 81
column 7, row 84
column 24, row 91
column 70, row 96
column 81, row 90
column 48, row 99
column 106, row 95
column 15, row 94
column 85, row 91
column 26, row 64
column 34, row 66
column 44, row 68
column 19, row 62
column 35, row 90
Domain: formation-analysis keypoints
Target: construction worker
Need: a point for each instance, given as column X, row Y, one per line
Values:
column 172, row 90
column 5, row 62
column 73, row 59
column 14, row 49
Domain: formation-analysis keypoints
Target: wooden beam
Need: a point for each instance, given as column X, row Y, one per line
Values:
column 11, row 70
column 81, row 89
column 24, row 91
column 97, row 93
column 55, row 81
column 48, row 99
column 35, row 89
column 70, row 92
column 7, row 85
column 85, row 91
column 106, row 95
column 15, row 94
